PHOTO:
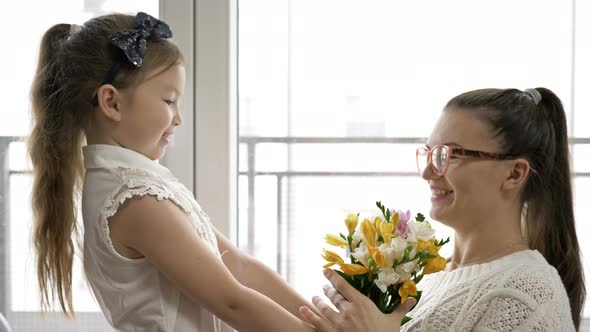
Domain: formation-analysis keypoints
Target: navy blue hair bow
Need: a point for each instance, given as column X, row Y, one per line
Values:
column 134, row 42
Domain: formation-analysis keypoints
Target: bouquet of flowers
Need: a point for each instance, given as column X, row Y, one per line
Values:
column 389, row 255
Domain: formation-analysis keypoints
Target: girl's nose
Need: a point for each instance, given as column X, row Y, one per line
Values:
column 177, row 118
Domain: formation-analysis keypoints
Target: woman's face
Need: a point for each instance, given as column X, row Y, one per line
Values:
column 470, row 190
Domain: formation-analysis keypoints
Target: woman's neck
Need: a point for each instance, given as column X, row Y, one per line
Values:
column 489, row 240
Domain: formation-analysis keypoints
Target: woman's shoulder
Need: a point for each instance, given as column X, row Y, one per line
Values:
column 528, row 285
column 528, row 266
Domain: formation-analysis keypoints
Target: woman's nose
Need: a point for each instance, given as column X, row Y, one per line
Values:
column 428, row 172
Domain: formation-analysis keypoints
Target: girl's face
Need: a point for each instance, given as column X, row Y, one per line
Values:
column 471, row 187
column 150, row 112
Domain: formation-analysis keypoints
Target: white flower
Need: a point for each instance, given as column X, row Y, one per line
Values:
column 389, row 253
column 405, row 270
column 386, row 277
column 357, row 236
column 419, row 231
column 398, row 245
column 361, row 253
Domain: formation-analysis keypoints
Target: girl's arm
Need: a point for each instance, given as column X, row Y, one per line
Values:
column 159, row 231
column 254, row 274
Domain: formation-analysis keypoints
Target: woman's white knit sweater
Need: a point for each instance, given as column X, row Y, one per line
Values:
column 518, row 292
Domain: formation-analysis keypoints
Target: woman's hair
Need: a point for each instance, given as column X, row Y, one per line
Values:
column 73, row 61
column 532, row 125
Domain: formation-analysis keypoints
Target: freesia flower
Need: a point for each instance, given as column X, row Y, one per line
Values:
column 361, row 254
column 398, row 245
column 377, row 221
column 434, row 265
column 353, row 269
column 389, row 254
column 357, row 237
column 405, row 270
column 419, row 230
column 369, row 232
column 351, row 221
column 428, row 246
column 332, row 258
column 394, row 219
column 402, row 228
column 404, row 216
column 408, row 288
column 385, row 278
column 387, row 231
column 378, row 256
column 336, row 241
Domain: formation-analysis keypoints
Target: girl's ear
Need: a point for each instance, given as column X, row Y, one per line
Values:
column 518, row 173
column 108, row 102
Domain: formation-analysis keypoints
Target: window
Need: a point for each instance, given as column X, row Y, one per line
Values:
column 334, row 97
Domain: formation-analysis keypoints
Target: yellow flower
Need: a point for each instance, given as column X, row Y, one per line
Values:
column 408, row 288
column 427, row 246
column 377, row 223
column 378, row 256
column 387, row 231
column 351, row 221
column 353, row 269
column 337, row 241
column 369, row 232
column 434, row 265
column 332, row 258
column 395, row 220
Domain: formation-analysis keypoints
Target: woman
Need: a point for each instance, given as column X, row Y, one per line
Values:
column 497, row 163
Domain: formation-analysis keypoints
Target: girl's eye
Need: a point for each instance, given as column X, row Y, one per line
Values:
column 169, row 102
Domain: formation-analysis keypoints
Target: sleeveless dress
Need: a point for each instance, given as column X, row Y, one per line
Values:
column 133, row 294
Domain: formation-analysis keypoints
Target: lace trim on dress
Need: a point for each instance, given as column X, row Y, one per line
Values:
column 136, row 182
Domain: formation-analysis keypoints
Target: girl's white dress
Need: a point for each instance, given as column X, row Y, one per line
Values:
column 132, row 294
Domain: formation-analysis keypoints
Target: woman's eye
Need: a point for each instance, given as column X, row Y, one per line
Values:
column 169, row 102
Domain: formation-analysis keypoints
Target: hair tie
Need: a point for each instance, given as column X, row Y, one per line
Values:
column 534, row 95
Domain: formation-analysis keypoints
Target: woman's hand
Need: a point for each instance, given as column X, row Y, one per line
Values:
column 357, row 312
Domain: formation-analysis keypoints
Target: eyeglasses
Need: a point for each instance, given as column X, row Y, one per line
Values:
column 440, row 155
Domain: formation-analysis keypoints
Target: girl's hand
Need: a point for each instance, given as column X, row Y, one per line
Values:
column 357, row 312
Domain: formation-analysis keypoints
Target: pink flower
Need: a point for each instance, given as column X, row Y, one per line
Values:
column 402, row 227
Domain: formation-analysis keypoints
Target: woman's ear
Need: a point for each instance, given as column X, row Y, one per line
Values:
column 108, row 102
column 518, row 173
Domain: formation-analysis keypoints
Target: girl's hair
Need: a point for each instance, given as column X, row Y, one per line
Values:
column 72, row 64
column 536, row 130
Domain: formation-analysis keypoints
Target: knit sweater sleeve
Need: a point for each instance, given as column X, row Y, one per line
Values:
column 526, row 299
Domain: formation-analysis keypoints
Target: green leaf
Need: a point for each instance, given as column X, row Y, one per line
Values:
column 405, row 320
column 420, row 217
column 441, row 242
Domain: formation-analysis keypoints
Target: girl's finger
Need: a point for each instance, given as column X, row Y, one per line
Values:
column 336, row 298
column 325, row 309
column 311, row 318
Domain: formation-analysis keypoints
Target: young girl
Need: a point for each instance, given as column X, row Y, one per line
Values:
column 498, row 166
column 152, row 257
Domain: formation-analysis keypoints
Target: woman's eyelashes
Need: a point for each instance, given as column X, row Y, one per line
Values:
column 168, row 101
